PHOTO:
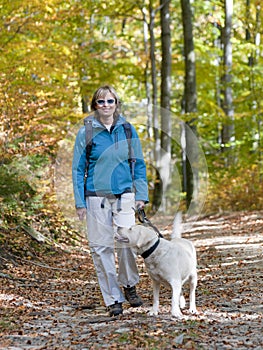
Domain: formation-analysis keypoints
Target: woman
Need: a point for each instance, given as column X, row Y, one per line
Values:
column 110, row 195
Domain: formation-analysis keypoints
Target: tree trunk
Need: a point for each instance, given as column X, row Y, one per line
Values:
column 190, row 104
column 259, row 114
column 252, row 61
column 189, row 149
column 154, row 79
column 228, row 127
column 158, row 184
column 165, row 154
column 152, row 108
column 146, row 71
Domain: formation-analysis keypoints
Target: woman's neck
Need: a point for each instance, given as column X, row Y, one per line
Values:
column 107, row 121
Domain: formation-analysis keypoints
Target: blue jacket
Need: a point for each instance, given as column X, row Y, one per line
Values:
column 109, row 169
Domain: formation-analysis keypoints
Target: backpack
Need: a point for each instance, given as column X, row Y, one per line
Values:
column 88, row 133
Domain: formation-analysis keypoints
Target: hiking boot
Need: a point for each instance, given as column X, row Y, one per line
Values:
column 132, row 297
column 115, row 309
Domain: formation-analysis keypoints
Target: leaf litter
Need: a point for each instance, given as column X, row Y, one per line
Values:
column 54, row 302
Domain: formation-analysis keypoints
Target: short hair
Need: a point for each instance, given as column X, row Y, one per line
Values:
column 102, row 92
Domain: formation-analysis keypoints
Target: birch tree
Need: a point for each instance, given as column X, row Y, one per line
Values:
column 254, row 39
column 165, row 156
column 228, row 127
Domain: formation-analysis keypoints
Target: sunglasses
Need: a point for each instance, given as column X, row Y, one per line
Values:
column 111, row 101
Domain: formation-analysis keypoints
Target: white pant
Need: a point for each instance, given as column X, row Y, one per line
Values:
column 103, row 217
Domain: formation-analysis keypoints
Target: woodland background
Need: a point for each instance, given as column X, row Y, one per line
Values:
column 178, row 66
column 55, row 54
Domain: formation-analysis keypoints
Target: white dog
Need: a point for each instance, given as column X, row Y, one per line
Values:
column 172, row 262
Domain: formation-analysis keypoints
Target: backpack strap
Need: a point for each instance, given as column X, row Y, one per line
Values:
column 88, row 135
column 132, row 159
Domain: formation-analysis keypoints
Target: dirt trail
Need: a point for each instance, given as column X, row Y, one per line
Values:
column 55, row 303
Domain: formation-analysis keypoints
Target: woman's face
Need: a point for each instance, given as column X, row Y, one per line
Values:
column 106, row 105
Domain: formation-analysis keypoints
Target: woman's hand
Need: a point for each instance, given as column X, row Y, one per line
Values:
column 81, row 212
column 139, row 204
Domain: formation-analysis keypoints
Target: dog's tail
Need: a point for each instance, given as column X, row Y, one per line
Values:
column 177, row 226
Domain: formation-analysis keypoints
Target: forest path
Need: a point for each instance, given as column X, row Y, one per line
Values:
column 55, row 302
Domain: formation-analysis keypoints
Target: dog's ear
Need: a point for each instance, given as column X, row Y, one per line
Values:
column 145, row 237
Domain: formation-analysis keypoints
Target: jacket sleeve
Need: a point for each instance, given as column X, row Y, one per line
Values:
column 78, row 168
column 140, row 177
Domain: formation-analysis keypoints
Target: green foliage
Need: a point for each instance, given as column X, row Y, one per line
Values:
column 54, row 53
column 19, row 195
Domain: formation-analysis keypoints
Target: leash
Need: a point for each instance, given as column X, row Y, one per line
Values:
column 144, row 220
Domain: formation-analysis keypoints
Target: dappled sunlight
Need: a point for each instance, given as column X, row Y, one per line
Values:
column 56, row 299
column 229, row 242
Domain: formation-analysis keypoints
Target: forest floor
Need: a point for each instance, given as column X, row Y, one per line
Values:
column 53, row 301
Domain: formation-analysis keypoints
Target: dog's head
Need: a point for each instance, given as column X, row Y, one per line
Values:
column 138, row 237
